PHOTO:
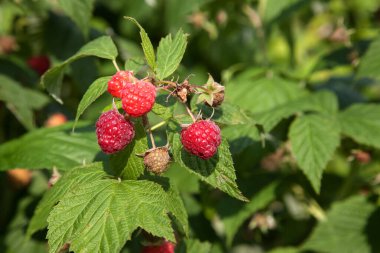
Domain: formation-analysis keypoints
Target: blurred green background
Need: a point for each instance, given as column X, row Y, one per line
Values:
column 266, row 53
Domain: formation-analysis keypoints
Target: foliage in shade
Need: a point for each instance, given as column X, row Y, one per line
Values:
column 102, row 47
column 314, row 139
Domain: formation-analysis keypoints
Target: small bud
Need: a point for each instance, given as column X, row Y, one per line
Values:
column 212, row 93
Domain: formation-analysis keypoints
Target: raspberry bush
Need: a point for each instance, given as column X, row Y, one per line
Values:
column 189, row 126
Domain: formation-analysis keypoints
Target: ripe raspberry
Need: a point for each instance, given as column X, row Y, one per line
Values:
column 40, row 64
column 166, row 247
column 138, row 98
column 114, row 132
column 119, row 81
column 157, row 160
column 201, row 138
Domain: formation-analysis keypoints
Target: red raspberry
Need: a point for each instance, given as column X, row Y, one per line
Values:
column 166, row 247
column 201, row 138
column 119, row 81
column 114, row 131
column 39, row 64
column 138, row 98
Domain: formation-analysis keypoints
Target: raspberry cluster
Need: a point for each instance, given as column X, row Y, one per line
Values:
column 115, row 131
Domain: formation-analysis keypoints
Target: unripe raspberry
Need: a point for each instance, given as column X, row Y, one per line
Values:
column 19, row 177
column 114, row 131
column 157, row 160
column 166, row 247
column 119, row 81
column 201, row 138
column 138, row 98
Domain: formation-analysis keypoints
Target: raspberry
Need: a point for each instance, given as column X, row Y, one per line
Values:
column 119, row 81
column 114, row 132
column 39, row 64
column 166, row 247
column 201, row 138
column 157, row 160
column 138, row 98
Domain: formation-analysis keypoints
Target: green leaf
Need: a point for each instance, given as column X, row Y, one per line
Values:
column 343, row 231
column 177, row 208
column 100, row 216
column 314, row 139
column 361, row 122
column 241, row 136
column 226, row 114
column 217, row 171
column 96, row 89
column 260, row 200
column 264, row 94
column 68, row 182
column 21, row 101
column 79, row 11
column 50, row 147
column 369, row 64
column 323, row 102
column 102, row 47
column 134, row 64
column 126, row 163
column 146, row 45
column 196, row 246
column 274, row 9
column 164, row 106
column 169, row 54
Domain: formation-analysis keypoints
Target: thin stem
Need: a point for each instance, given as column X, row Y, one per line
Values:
column 147, row 125
column 190, row 113
column 158, row 125
column 115, row 64
column 173, row 84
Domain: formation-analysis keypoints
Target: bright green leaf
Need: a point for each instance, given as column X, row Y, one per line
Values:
column 314, row 139
column 100, row 216
column 146, row 45
column 226, row 114
column 169, row 54
column 68, row 182
column 50, row 147
column 361, row 122
column 264, row 94
column 96, row 89
column 102, row 47
column 217, row 171
column 343, row 231
column 126, row 163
